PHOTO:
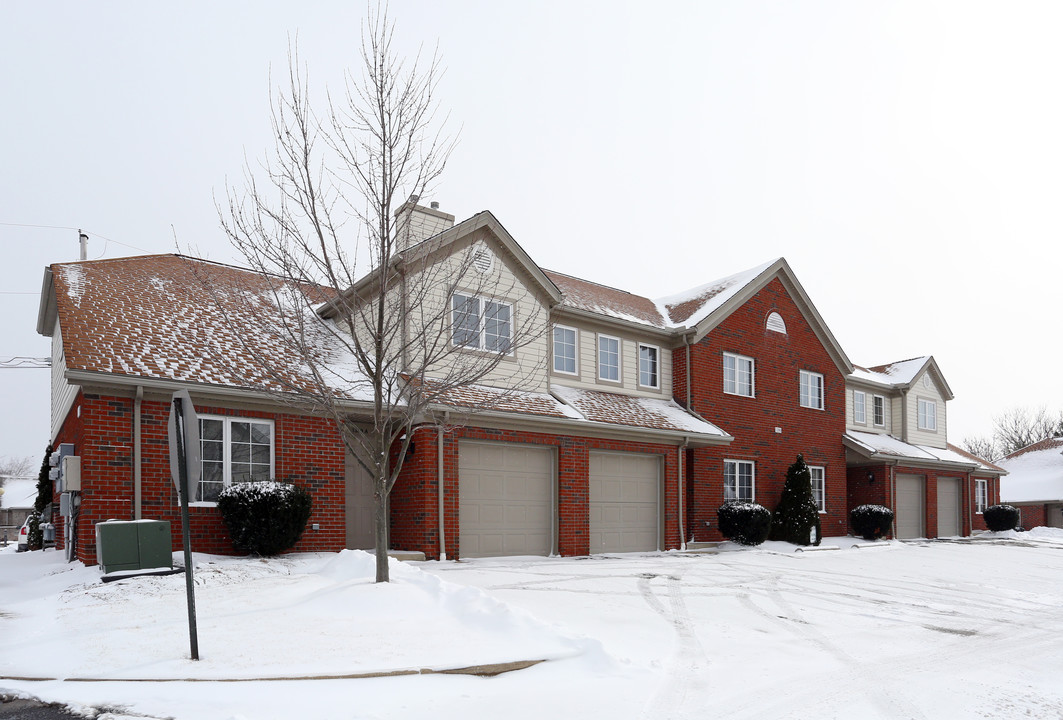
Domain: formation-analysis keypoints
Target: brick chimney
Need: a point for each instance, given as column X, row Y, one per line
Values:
column 417, row 222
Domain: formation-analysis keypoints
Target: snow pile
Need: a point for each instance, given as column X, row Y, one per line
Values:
column 292, row 616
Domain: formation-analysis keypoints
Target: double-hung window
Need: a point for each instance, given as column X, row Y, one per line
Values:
column 928, row 412
column 811, row 390
column 738, row 375
column 859, row 407
column 608, row 358
column 648, row 359
column 232, row 450
column 981, row 495
column 564, row 350
column 738, row 480
column 819, row 488
column 481, row 324
column 880, row 410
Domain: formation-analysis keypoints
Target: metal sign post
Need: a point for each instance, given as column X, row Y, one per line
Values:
column 183, row 432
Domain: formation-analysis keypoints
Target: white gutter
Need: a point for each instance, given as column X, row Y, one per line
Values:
column 681, row 453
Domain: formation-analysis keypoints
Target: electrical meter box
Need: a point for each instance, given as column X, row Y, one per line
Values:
column 133, row 545
column 70, row 476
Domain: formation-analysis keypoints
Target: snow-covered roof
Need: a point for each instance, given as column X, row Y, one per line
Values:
column 902, row 372
column 19, row 493
column 175, row 318
column 637, row 412
column 1035, row 473
column 877, row 445
column 684, row 309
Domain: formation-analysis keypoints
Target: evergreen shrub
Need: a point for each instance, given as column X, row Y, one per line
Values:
column 871, row 521
column 1001, row 517
column 264, row 518
column 796, row 517
column 745, row 523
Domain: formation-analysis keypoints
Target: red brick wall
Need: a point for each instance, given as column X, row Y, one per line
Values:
column 1030, row 516
column 778, row 358
column 415, row 501
column 307, row 451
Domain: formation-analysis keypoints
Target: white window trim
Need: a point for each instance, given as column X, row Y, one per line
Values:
column 862, row 419
column 874, row 420
column 802, row 375
column 923, row 419
column 752, row 375
column 657, row 366
column 984, row 484
column 619, row 358
column 481, row 323
column 823, row 479
column 227, row 468
column 553, row 350
column 752, row 478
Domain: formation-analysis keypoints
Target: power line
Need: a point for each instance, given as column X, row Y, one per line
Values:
column 24, row 363
column 87, row 232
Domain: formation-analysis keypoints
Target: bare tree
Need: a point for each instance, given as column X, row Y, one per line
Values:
column 15, row 467
column 378, row 345
column 1015, row 429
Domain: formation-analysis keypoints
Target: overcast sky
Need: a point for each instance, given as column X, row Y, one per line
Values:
column 904, row 157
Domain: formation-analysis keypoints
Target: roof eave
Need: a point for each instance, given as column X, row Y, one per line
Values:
column 662, row 332
column 907, row 461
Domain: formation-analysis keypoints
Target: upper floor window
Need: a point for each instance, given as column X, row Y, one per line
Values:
column 232, row 450
column 819, row 487
column 859, row 407
column 648, row 359
column 481, row 324
column 738, row 480
column 928, row 411
column 811, row 390
column 981, row 495
column 564, row 350
column 737, row 375
column 880, row 411
column 608, row 358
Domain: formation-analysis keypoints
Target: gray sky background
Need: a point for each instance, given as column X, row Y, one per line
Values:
column 903, row 156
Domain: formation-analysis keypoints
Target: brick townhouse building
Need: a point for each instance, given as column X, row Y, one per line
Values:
column 635, row 418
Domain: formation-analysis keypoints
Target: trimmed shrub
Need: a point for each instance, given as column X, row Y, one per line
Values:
column 745, row 523
column 264, row 518
column 1001, row 517
column 796, row 517
column 871, row 521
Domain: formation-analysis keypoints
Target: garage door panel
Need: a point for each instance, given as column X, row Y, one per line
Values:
column 911, row 507
column 949, row 507
column 505, row 497
column 624, row 502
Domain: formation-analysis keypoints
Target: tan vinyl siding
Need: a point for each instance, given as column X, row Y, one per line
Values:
column 587, row 356
column 894, row 413
column 528, row 366
column 933, row 438
column 63, row 393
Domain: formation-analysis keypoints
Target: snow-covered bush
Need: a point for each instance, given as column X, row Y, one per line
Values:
column 871, row 521
column 264, row 518
column 796, row 517
column 745, row 523
column 1001, row 517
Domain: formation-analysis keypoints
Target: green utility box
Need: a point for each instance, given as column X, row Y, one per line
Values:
column 133, row 545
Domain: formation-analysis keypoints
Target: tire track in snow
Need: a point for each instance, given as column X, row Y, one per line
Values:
column 685, row 688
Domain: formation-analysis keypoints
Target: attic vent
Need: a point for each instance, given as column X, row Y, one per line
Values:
column 776, row 323
column 927, row 382
column 482, row 259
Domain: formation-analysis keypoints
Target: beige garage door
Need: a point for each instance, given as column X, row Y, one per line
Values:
column 949, row 507
column 624, row 502
column 358, row 497
column 505, row 499
column 911, row 507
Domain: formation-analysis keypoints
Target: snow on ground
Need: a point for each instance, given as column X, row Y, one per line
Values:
column 960, row 629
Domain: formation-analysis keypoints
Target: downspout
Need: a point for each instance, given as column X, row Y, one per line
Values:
column 686, row 341
column 137, row 494
column 893, row 499
column 439, row 488
column 969, row 493
column 904, row 417
column 682, row 451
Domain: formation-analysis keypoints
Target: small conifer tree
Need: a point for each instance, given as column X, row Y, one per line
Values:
column 796, row 517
